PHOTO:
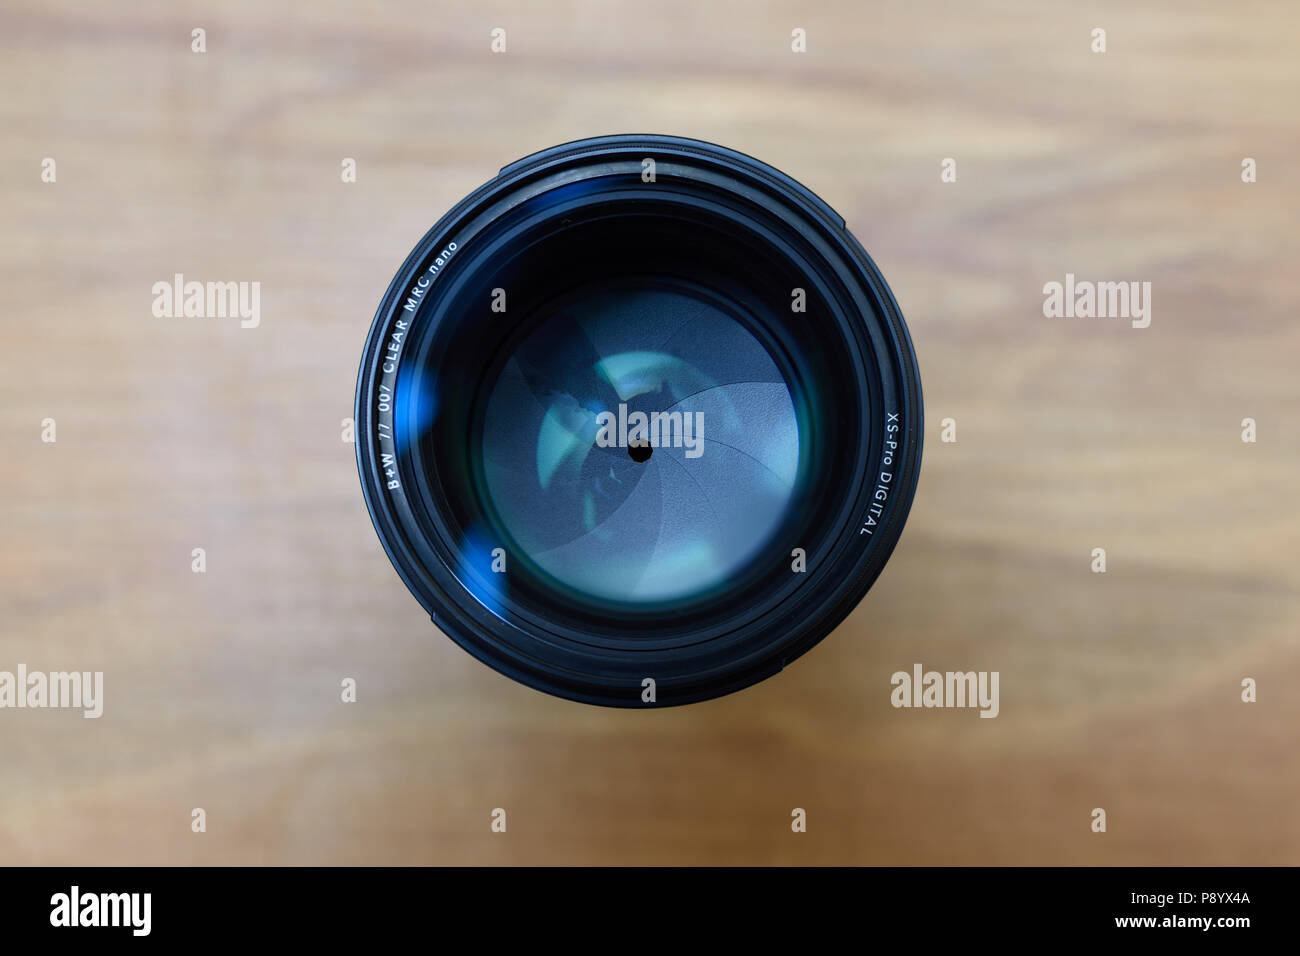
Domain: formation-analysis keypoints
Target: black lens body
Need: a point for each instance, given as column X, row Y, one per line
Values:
column 638, row 421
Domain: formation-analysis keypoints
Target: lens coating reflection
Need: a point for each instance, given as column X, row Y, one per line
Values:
column 609, row 524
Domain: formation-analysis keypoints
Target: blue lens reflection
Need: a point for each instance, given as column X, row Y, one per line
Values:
column 567, row 488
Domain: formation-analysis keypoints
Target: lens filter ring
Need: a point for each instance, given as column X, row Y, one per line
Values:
column 638, row 421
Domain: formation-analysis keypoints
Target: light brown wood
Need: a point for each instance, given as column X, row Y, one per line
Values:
column 1119, row 690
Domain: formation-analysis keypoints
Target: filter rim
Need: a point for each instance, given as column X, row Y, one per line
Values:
column 535, row 173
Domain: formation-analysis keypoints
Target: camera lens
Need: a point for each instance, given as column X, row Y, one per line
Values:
column 638, row 421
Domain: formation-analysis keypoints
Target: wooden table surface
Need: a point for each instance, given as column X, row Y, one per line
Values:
column 1118, row 690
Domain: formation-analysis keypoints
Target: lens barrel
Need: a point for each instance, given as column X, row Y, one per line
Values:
column 638, row 421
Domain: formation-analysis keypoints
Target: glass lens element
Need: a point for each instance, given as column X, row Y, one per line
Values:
column 639, row 445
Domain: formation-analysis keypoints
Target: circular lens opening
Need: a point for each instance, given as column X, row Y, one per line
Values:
column 639, row 446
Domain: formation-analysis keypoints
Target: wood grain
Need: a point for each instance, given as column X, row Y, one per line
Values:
column 1118, row 690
